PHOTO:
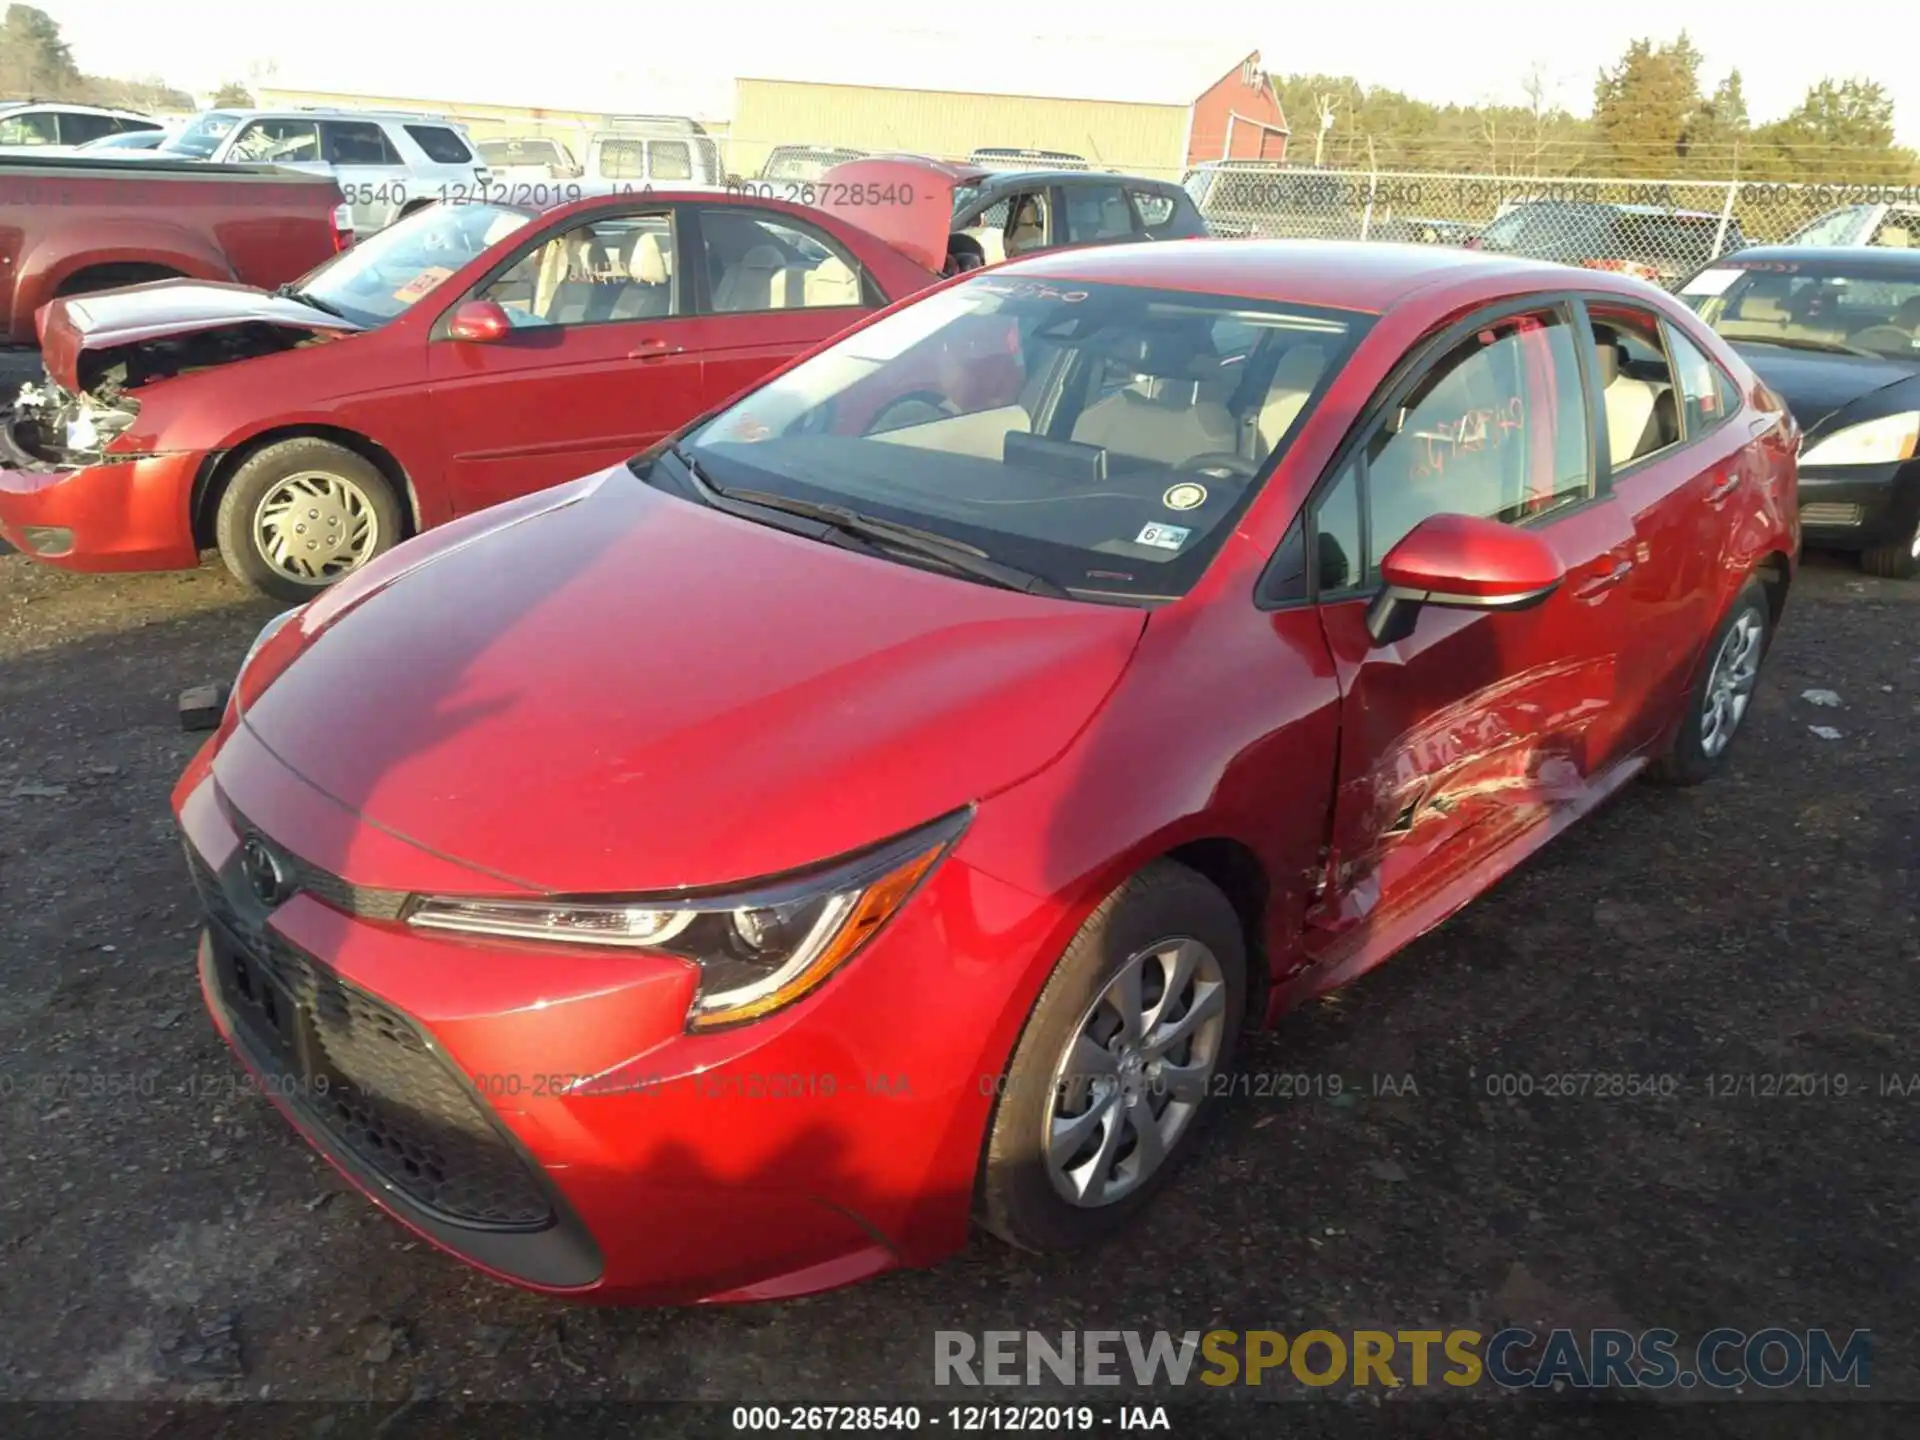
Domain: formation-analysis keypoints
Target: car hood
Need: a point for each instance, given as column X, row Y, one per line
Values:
column 1816, row 386
column 111, row 319
column 912, row 208
column 611, row 689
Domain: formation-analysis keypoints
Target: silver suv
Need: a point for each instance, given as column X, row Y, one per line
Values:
column 388, row 162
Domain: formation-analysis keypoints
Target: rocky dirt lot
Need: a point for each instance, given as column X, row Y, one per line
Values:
column 164, row 1235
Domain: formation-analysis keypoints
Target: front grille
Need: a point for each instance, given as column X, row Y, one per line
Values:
column 390, row 1099
column 364, row 1073
column 1830, row 512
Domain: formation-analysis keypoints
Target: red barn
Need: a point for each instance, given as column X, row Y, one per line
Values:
column 1238, row 118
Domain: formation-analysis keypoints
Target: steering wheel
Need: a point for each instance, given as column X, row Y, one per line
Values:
column 1218, row 465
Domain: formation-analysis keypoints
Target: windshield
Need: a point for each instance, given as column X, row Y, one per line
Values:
column 1825, row 305
column 203, row 136
column 1104, row 437
column 384, row 274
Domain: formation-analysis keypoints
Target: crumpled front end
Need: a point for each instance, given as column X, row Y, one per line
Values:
column 76, row 490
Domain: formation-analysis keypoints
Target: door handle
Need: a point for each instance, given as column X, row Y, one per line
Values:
column 1724, row 491
column 652, row 350
column 1599, row 584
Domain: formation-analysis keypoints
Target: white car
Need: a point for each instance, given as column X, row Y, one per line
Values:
column 389, row 163
column 1895, row 226
column 43, row 128
column 658, row 151
column 528, row 158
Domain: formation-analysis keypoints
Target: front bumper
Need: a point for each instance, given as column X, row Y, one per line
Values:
column 129, row 515
column 544, row 1116
column 1858, row 507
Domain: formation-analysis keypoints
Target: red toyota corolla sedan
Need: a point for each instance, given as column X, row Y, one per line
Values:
column 469, row 354
column 725, row 875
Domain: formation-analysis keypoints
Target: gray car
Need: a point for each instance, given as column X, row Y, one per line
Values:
column 388, row 162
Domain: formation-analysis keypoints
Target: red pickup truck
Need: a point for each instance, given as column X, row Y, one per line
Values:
column 70, row 224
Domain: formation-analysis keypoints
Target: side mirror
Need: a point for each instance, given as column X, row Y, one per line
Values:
column 1461, row 562
column 480, row 321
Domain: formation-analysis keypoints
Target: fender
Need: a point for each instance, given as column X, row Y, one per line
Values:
column 44, row 266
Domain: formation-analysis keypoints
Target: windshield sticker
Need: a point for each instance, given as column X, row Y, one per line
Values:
column 1710, row 282
column 1185, row 497
column 1029, row 290
column 1162, row 537
column 421, row 283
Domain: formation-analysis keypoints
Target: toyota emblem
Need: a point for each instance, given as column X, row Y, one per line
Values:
column 265, row 875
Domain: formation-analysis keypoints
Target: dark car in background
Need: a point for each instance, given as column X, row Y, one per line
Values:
column 1017, row 212
column 1835, row 332
column 1653, row 242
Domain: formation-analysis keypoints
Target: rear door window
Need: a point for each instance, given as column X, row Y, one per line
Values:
column 440, row 144
column 78, row 129
column 358, row 142
column 1096, row 213
column 1704, row 388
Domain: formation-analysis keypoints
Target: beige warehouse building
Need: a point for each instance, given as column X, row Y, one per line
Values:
column 1121, row 105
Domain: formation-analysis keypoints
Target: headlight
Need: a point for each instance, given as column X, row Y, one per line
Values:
column 1885, row 441
column 758, row 949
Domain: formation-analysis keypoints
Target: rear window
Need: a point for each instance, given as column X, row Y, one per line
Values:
column 441, row 145
column 672, row 160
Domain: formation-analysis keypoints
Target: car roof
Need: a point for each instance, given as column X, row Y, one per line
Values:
column 328, row 112
column 1362, row 275
column 77, row 109
column 1858, row 259
column 995, row 178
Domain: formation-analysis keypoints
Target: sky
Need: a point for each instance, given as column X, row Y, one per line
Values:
column 577, row 53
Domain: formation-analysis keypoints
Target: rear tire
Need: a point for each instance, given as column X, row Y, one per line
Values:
column 1722, row 696
column 1898, row 561
column 1032, row 1157
column 303, row 513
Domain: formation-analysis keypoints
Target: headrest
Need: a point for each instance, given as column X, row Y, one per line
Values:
column 1181, row 354
column 650, row 265
column 763, row 257
column 1909, row 312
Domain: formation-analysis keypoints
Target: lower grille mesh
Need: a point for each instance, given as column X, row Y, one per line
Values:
column 367, row 1075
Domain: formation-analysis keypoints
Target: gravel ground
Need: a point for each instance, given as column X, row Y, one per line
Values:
column 181, row 1243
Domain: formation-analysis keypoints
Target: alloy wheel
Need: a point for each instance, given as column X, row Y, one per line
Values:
column 1135, row 1072
column 1736, row 667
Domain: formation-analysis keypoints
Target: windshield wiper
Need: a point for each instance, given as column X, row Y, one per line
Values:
column 968, row 559
column 292, row 291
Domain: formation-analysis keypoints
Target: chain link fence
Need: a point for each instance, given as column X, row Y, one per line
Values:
column 1662, row 230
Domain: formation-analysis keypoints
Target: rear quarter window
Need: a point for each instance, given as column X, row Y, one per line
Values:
column 440, row 145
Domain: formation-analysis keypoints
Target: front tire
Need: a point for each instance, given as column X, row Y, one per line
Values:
column 1723, row 694
column 299, row 515
column 1115, row 1068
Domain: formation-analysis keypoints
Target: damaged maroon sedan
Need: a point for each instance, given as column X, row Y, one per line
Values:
column 467, row 355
